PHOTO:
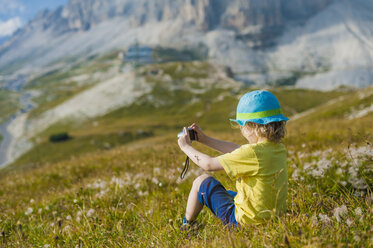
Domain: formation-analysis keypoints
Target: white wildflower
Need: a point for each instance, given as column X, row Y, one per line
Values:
column 160, row 184
column 29, row 211
column 157, row 170
column 90, row 212
column 47, row 246
column 75, row 200
column 102, row 193
column 78, row 216
column 358, row 183
column 66, row 228
column 303, row 145
column 349, row 222
column 317, row 172
column 340, row 212
column 339, row 171
column 302, row 155
column 155, row 180
column 118, row 182
column 150, row 212
column 316, row 154
column 359, row 152
column 99, row 184
column 324, row 164
column 357, row 238
column 343, row 183
column 141, row 193
column 52, row 224
column 306, row 166
column 324, row 218
column 32, row 201
column 46, row 208
column 343, row 164
column 40, row 210
column 352, row 171
column 68, row 217
column 295, row 175
column 130, row 206
column 137, row 186
column 358, row 211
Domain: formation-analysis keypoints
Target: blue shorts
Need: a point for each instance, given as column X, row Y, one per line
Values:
column 219, row 200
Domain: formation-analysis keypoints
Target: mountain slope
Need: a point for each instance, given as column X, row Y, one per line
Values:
column 236, row 32
column 333, row 48
column 315, row 44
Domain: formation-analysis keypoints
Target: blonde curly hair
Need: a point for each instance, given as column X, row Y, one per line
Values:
column 274, row 131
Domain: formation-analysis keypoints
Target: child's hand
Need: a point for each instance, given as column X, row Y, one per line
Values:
column 184, row 140
column 200, row 134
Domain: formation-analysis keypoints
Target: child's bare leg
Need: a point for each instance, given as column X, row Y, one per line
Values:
column 194, row 206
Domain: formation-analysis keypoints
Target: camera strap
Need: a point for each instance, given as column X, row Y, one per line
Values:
column 186, row 167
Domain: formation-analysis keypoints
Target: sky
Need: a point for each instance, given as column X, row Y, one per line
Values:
column 16, row 13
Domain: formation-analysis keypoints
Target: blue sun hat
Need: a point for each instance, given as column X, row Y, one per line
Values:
column 258, row 106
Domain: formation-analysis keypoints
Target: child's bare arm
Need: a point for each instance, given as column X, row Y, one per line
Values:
column 204, row 161
column 219, row 145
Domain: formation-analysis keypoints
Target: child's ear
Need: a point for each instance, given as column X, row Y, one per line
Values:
column 246, row 131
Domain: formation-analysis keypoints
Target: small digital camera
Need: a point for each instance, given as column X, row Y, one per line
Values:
column 192, row 134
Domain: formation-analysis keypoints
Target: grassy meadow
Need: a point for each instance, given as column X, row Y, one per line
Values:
column 116, row 182
column 8, row 104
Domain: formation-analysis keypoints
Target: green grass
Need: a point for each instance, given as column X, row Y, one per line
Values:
column 299, row 100
column 9, row 104
column 53, row 152
column 55, row 96
column 58, row 86
column 145, row 207
column 129, row 194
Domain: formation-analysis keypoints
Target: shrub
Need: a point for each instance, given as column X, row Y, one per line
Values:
column 58, row 137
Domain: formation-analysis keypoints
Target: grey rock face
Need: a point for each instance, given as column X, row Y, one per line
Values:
column 238, row 32
column 206, row 14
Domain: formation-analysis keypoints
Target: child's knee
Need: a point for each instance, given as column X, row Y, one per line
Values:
column 198, row 181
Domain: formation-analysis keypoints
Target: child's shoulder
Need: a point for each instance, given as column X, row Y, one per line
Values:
column 259, row 149
column 265, row 143
column 267, row 146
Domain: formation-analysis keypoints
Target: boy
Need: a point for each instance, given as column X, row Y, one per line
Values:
column 259, row 167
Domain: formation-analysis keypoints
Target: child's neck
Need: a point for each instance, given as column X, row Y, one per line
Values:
column 255, row 139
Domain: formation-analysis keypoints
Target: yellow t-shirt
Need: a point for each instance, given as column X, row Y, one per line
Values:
column 261, row 180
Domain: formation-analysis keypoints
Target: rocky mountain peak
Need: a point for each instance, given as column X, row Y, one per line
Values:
column 205, row 14
column 253, row 37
